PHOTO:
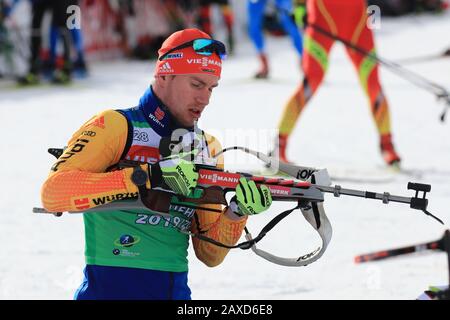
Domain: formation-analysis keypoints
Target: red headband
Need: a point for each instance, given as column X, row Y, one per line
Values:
column 186, row 60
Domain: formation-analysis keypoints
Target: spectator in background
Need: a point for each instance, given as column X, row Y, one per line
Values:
column 38, row 9
column 59, row 29
column 71, row 39
column 255, row 11
column 205, row 23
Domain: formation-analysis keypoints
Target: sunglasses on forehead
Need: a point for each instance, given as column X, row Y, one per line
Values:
column 204, row 47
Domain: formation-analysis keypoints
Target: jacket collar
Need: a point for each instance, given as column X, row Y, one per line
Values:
column 158, row 115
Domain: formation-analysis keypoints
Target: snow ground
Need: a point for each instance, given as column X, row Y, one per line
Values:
column 42, row 256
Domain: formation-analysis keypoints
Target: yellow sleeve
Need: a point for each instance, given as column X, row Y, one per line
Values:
column 215, row 225
column 78, row 180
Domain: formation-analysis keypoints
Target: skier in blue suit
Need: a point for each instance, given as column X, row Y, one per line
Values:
column 255, row 9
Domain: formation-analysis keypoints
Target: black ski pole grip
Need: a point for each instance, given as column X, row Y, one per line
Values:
column 419, row 187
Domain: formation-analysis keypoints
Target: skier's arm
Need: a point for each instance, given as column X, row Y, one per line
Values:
column 224, row 227
column 78, row 178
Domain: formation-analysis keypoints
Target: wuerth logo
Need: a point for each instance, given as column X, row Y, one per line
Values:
column 159, row 114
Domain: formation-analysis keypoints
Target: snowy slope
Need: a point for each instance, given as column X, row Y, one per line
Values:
column 42, row 256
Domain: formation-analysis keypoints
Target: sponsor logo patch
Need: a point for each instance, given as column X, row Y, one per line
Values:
column 223, row 178
column 127, row 241
column 119, row 196
column 99, row 122
column 82, row 204
column 159, row 114
column 157, row 117
column 279, row 190
column 208, row 70
column 204, row 62
column 143, row 154
column 166, row 68
column 174, row 56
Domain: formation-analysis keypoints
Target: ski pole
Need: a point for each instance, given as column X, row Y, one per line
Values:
column 425, row 58
column 389, row 253
column 442, row 244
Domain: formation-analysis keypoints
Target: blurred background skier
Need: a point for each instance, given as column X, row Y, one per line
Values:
column 256, row 10
column 205, row 19
column 346, row 19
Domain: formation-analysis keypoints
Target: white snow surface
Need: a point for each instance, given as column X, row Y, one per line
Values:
column 42, row 256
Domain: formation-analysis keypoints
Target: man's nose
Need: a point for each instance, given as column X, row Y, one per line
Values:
column 203, row 97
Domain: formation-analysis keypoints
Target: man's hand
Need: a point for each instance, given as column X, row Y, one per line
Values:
column 179, row 174
column 250, row 199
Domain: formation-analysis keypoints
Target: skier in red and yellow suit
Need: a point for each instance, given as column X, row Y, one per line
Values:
column 346, row 19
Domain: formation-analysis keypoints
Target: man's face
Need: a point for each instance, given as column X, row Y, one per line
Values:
column 188, row 95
